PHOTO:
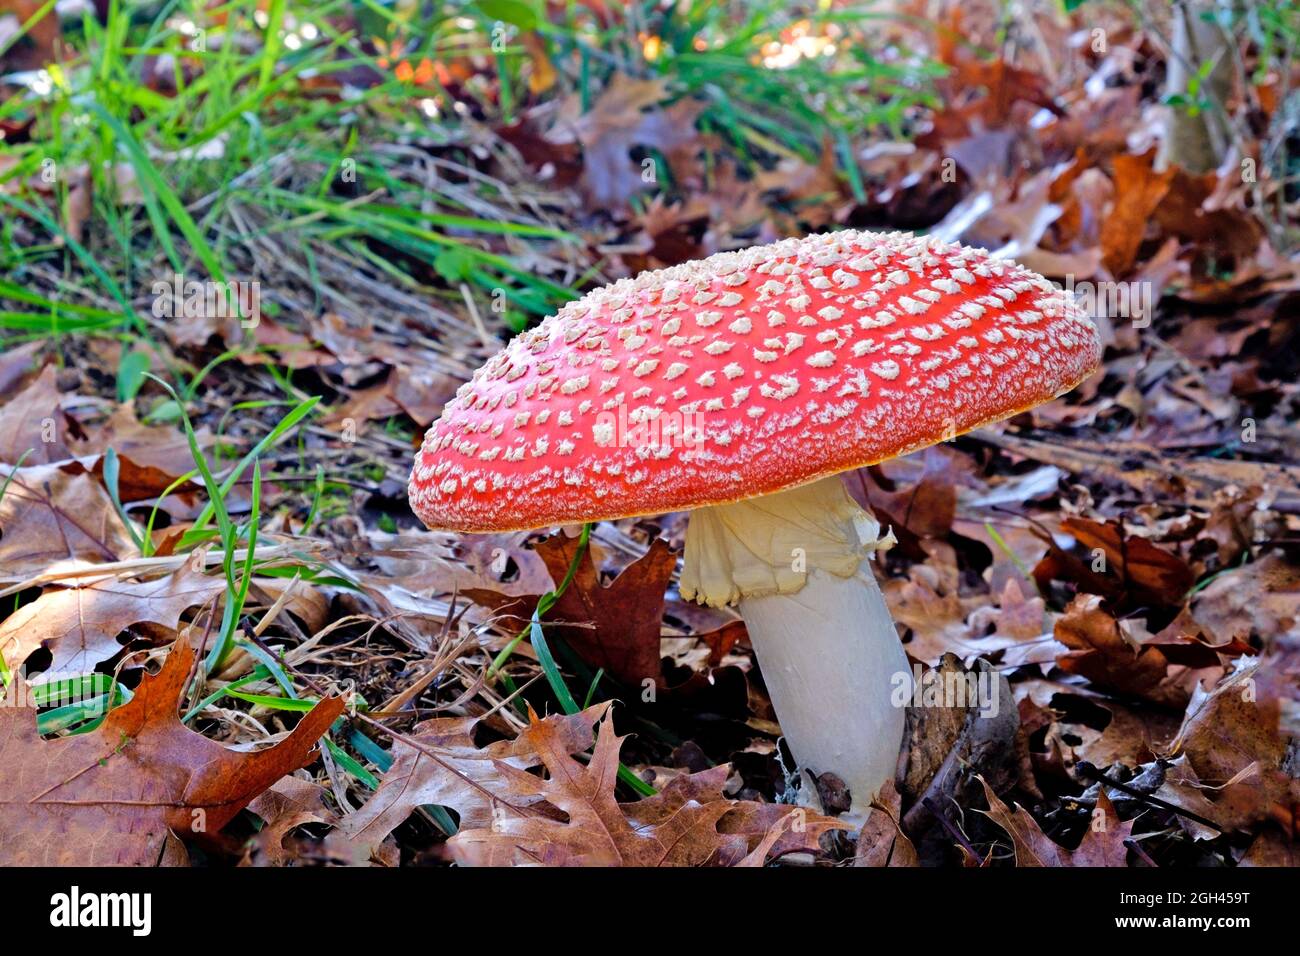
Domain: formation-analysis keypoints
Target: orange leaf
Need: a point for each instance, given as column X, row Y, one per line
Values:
column 1138, row 190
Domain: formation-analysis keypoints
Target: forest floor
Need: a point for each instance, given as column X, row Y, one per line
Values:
column 396, row 194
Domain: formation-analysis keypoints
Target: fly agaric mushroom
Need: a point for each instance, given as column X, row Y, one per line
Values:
column 740, row 385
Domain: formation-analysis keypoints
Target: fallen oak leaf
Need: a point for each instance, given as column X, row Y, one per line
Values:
column 1021, row 629
column 882, row 841
column 1102, row 844
column 749, row 825
column 596, row 831
column 79, row 625
column 626, row 114
column 1131, row 567
column 1261, row 599
column 1104, row 841
column 614, row 626
column 1100, row 650
column 57, row 517
column 1232, row 740
column 1184, row 641
column 1138, row 191
column 289, row 803
column 929, row 604
column 672, row 828
column 155, row 449
column 137, row 482
column 721, row 640
column 113, row 795
column 464, row 777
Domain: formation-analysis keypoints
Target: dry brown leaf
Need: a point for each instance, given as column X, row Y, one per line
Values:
column 289, row 803
column 1232, row 742
column 112, row 796
column 928, row 604
column 79, row 625
column 16, row 362
column 31, row 423
column 625, row 115
column 1102, row 844
column 57, row 517
column 443, row 766
column 1019, row 616
column 1272, row 849
column 1261, row 599
column 791, row 829
column 160, row 449
column 1138, row 191
column 882, row 841
column 1134, row 569
column 614, row 626
column 1101, row 652
column 673, row 828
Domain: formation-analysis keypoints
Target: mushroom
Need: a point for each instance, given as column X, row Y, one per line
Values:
column 740, row 386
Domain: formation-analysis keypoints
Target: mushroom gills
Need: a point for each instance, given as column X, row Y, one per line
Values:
column 793, row 562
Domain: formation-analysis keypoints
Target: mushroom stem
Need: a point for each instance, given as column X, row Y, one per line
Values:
column 831, row 659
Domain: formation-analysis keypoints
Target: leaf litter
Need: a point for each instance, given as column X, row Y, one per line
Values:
column 1123, row 561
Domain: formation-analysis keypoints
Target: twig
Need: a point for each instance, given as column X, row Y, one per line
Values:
column 1092, row 773
column 1141, row 853
column 933, row 806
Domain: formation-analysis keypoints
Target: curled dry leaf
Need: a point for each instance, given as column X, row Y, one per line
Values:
column 1231, row 739
column 614, row 626
column 111, row 797
column 882, row 841
column 1102, row 652
column 1134, row 570
column 290, row 802
column 79, row 625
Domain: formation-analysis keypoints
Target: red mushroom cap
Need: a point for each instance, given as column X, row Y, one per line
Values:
column 743, row 374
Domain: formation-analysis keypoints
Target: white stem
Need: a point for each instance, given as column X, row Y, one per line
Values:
column 833, row 666
column 796, row 562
